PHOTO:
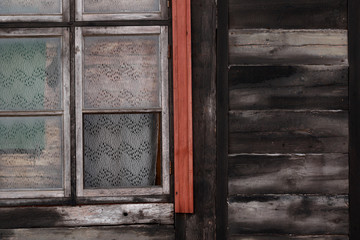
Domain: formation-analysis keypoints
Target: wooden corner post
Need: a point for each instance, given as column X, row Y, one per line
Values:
column 183, row 132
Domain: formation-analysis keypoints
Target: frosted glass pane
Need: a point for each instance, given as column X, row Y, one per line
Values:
column 121, row 6
column 8, row 7
column 120, row 150
column 121, row 72
column 30, row 73
column 31, row 153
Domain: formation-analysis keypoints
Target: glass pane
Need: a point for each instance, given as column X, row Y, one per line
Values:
column 121, row 72
column 30, row 153
column 30, row 73
column 120, row 150
column 8, row 7
column 121, row 6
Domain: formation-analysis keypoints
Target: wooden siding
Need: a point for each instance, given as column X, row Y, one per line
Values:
column 288, row 237
column 288, row 87
column 288, row 134
column 288, row 173
column 289, row 214
column 314, row 14
column 144, row 232
column 87, row 215
column 255, row 131
column 253, row 46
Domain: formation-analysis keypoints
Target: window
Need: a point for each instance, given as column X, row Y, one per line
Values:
column 118, row 84
column 34, row 113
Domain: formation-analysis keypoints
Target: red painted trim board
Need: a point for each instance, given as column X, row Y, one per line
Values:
column 183, row 132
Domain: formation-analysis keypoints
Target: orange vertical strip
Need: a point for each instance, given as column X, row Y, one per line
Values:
column 183, row 132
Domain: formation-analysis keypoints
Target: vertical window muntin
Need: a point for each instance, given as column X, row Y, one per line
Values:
column 162, row 32
column 63, row 113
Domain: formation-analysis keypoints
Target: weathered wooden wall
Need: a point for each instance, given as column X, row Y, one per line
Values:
column 287, row 131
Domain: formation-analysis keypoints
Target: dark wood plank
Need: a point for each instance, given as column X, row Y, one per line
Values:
column 289, row 214
column 288, row 132
column 301, row 14
column 291, row 173
column 288, row 87
column 287, row 47
column 86, row 215
column 152, row 232
column 288, row 237
column 201, row 224
column 222, row 108
column 354, row 121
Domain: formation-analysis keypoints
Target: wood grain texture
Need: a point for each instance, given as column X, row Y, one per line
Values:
column 183, row 130
column 301, row 14
column 288, row 132
column 87, row 215
column 288, row 173
column 288, row 87
column 153, row 232
column 315, row 47
column 201, row 224
column 289, row 214
column 288, row 237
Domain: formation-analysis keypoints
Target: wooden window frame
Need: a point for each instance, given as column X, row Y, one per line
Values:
column 64, row 16
column 158, row 15
column 63, row 33
column 162, row 32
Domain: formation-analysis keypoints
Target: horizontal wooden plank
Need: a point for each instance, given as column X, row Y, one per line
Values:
column 288, row 237
column 85, row 201
column 314, row 47
column 288, row 132
column 90, row 215
column 288, row 214
column 303, row 14
column 288, row 87
column 151, row 232
column 291, row 173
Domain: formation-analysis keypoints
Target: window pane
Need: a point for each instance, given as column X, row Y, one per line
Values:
column 30, row 73
column 8, row 7
column 120, row 6
column 121, row 72
column 30, row 153
column 120, row 150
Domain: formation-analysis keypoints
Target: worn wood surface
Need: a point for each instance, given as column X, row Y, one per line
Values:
column 288, row 87
column 222, row 108
column 301, row 14
column 150, row 232
column 288, row 237
column 201, row 224
column 288, row 132
column 288, row 173
column 289, row 214
column 354, row 121
column 87, row 215
column 260, row 46
column 183, row 124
